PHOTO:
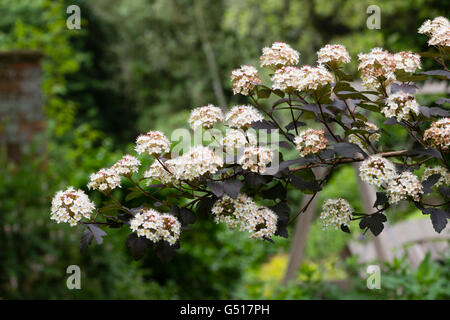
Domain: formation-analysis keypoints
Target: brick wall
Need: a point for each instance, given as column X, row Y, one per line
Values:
column 21, row 106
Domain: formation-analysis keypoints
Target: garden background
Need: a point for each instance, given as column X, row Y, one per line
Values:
column 138, row 65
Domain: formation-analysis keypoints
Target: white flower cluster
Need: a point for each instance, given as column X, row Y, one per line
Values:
column 375, row 64
column 405, row 185
column 334, row 54
column 242, row 117
column 71, row 206
column 439, row 134
column 438, row 30
column 401, row 105
column 195, row 163
column 244, row 79
column 104, row 180
column 307, row 78
column 279, row 55
column 152, row 143
column 205, row 117
column 287, row 79
column 158, row 172
column 377, row 170
column 156, row 226
column 336, row 212
column 310, row 141
column 235, row 139
column 313, row 78
column 126, row 166
column 261, row 222
column 444, row 180
column 255, row 159
column 407, row 61
column 373, row 136
column 189, row 166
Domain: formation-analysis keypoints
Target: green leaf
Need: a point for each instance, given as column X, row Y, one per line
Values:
column 133, row 195
column 263, row 92
column 370, row 107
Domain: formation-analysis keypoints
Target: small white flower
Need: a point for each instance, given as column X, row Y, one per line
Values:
column 444, row 180
column 161, row 173
column 261, row 222
column 71, row 206
column 407, row 61
column 377, row 170
column 287, row 79
column 374, row 65
column 255, row 159
column 439, row 134
column 155, row 226
column 333, row 54
column 438, row 30
column 279, row 55
column 404, row 186
column 153, row 143
column 205, row 117
column 104, row 180
column 235, row 139
column 401, row 105
column 126, row 166
column 242, row 117
column 196, row 162
column 336, row 212
column 310, row 141
column 313, row 78
column 244, row 79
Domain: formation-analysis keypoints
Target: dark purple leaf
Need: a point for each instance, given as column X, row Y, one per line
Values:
column 165, row 251
column 138, row 246
column 97, row 233
column 204, row 207
column 186, row 216
column 425, row 111
column 438, row 218
column 428, row 152
column 348, row 150
column 345, row 228
column 86, row 239
column 430, row 182
column 444, row 191
column 292, row 124
column 304, row 185
column 216, row 187
column 381, row 200
column 436, row 111
column 390, row 121
column 374, row 222
column 442, row 100
column 438, row 73
column 282, row 210
column 263, row 125
column 276, row 192
column 232, row 187
column 408, row 88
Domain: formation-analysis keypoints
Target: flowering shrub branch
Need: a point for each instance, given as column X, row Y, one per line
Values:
column 230, row 179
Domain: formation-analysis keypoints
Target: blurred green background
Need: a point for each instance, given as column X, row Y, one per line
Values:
column 137, row 65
